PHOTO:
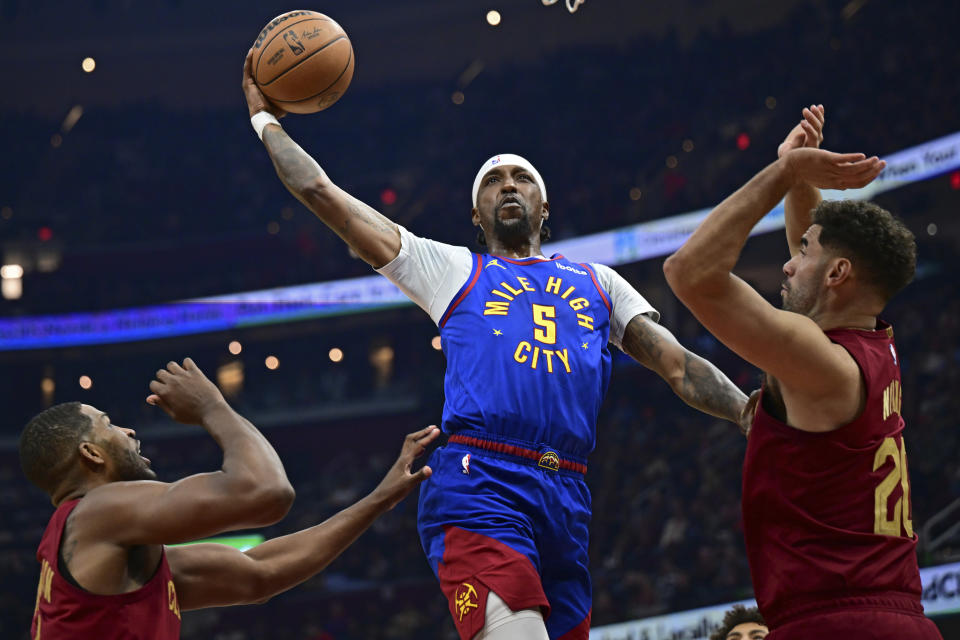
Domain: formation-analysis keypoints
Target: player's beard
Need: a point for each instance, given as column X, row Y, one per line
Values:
column 513, row 231
column 802, row 297
column 130, row 466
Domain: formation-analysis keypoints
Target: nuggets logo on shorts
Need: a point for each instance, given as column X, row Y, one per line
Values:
column 465, row 599
column 549, row 460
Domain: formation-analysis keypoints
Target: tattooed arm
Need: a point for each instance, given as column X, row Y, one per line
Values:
column 697, row 382
column 371, row 235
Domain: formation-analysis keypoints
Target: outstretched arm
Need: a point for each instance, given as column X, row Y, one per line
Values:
column 250, row 489
column 695, row 380
column 375, row 238
column 789, row 346
column 211, row 575
column 802, row 198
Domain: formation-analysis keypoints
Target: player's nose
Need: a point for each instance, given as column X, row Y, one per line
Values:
column 130, row 432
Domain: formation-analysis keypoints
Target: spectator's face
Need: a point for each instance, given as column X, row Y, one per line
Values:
column 748, row 631
column 510, row 206
column 805, row 271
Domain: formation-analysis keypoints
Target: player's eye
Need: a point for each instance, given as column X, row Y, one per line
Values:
column 491, row 179
column 523, row 176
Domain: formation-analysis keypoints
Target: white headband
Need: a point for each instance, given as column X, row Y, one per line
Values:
column 507, row 159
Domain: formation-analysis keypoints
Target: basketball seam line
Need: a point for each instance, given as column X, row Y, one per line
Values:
column 279, row 33
column 301, row 61
column 349, row 60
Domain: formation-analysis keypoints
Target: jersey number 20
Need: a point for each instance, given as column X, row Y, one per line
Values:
column 885, row 523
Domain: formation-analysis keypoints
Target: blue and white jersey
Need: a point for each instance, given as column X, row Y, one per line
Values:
column 527, row 355
column 526, row 340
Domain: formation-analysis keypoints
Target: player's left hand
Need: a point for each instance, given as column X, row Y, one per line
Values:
column 399, row 482
column 256, row 101
column 808, row 133
column 827, row 170
column 748, row 412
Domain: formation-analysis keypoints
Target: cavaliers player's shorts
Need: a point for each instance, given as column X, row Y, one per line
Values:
column 515, row 522
column 858, row 624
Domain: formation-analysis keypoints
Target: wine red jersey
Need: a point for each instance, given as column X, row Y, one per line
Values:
column 66, row 611
column 827, row 516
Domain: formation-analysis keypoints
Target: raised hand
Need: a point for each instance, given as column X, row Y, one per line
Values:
column 808, row 133
column 256, row 101
column 184, row 392
column 399, row 481
column 827, row 170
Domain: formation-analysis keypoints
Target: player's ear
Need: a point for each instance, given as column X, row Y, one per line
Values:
column 839, row 272
column 475, row 216
column 545, row 212
column 91, row 454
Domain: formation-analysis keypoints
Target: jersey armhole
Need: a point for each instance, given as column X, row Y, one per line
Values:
column 464, row 290
column 596, row 283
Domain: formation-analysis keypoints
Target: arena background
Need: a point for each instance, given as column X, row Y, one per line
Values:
column 141, row 183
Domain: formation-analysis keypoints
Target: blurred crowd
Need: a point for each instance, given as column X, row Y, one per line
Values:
column 165, row 217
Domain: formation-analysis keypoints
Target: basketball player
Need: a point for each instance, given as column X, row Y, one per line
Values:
column 826, row 495
column 504, row 523
column 104, row 572
column 741, row 623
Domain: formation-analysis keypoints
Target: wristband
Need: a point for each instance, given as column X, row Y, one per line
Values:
column 261, row 119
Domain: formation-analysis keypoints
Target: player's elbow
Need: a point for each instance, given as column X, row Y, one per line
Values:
column 269, row 503
column 686, row 276
column 319, row 192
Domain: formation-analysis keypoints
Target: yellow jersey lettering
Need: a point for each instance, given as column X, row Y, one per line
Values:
column 549, row 354
column 566, row 294
column 515, row 292
column 518, row 354
column 547, row 328
column 892, row 398
column 579, row 303
column 553, row 285
column 536, row 356
column 885, row 522
column 564, row 357
column 585, row 321
column 496, row 308
column 525, row 284
column 497, row 292
column 172, row 599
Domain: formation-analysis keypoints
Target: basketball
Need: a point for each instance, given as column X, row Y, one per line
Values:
column 302, row 61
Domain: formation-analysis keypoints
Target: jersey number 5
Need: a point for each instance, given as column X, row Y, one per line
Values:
column 547, row 331
column 883, row 523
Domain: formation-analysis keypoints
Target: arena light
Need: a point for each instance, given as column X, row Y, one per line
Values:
column 88, row 64
column 743, row 142
column 955, row 180
column 388, row 196
column 86, row 382
column 493, row 18
column 235, row 347
column 436, row 343
column 272, row 363
column 336, row 355
column 11, row 272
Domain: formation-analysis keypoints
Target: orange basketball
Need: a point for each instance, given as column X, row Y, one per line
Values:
column 303, row 61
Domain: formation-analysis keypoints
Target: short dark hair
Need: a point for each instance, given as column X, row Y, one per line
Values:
column 739, row 614
column 877, row 243
column 48, row 440
column 544, row 235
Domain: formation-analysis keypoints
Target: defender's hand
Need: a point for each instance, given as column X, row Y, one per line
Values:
column 399, row 481
column 184, row 392
column 256, row 101
column 809, row 133
column 827, row 170
column 748, row 412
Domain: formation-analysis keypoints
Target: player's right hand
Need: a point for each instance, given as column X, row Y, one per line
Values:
column 256, row 101
column 827, row 170
column 399, row 482
column 184, row 392
column 808, row 133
